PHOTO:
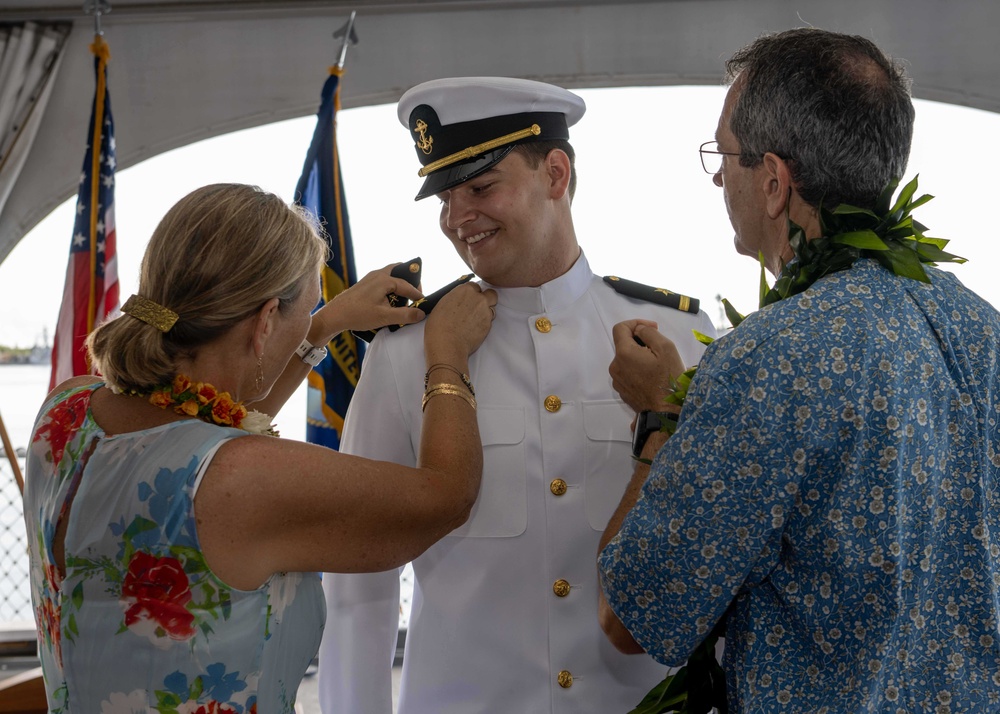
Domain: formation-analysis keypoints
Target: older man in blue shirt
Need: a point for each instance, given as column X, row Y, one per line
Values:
column 831, row 492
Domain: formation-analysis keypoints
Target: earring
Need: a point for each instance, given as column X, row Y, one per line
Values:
column 259, row 378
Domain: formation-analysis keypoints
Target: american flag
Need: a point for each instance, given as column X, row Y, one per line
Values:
column 91, row 291
column 332, row 381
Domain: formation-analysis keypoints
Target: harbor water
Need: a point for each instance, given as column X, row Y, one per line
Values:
column 22, row 389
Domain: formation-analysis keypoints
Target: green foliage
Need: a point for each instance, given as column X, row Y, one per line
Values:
column 14, row 354
column 696, row 688
column 887, row 234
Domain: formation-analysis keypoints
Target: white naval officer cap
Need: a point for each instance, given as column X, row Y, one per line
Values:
column 462, row 126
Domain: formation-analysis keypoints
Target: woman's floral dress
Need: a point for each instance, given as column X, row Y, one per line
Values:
column 139, row 623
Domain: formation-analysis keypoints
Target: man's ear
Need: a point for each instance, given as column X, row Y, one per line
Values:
column 777, row 185
column 263, row 324
column 558, row 171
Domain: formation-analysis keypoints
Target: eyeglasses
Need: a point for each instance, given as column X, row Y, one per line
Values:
column 711, row 157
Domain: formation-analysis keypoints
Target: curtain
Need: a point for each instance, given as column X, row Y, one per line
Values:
column 30, row 54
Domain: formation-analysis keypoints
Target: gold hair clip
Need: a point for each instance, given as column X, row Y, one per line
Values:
column 150, row 312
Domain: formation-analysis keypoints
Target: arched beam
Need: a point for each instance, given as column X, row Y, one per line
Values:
column 185, row 71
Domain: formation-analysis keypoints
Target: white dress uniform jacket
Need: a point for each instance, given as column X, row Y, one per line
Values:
column 504, row 615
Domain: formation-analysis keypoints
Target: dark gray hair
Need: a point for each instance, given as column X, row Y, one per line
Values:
column 834, row 106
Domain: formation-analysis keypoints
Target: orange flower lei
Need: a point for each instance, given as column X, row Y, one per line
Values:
column 199, row 399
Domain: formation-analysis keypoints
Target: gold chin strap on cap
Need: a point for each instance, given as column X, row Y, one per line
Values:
column 472, row 151
column 151, row 313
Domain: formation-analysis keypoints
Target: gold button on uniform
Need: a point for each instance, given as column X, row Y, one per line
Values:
column 552, row 403
column 543, row 324
column 565, row 679
column 558, row 487
column 560, row 587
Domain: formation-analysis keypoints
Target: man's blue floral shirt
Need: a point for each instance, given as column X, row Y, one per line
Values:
column 833, row 487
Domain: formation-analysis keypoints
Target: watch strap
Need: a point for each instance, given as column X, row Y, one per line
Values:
column 646, row 422
column 310, row 353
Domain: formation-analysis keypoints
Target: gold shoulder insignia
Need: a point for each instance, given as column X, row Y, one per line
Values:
column 660, row 296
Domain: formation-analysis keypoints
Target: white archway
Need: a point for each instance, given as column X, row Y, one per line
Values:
column 184, row 71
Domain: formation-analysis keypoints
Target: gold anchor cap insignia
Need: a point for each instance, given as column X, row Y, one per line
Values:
column 426, row 142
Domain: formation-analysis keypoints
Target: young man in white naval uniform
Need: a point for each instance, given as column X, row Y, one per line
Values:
column 504, row 615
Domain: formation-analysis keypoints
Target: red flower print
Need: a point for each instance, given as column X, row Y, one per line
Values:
column 216, row 708
column 157, row 589
column 47, row 617
column 63, row 420
column 52, row 578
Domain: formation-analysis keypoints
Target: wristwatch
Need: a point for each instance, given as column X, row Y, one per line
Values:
column 646, row 422
column 310, row 354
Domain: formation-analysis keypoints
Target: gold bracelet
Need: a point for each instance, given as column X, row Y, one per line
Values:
column 446, row 389
column 441, row 365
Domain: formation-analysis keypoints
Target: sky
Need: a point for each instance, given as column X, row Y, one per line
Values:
column 644, row 208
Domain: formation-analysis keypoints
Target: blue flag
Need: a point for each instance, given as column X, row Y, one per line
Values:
column 332, row 381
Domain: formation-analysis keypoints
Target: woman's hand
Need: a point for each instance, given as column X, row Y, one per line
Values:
column 365, row 306
column 459, row 323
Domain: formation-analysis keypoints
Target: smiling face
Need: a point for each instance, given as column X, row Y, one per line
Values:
column 511, row 225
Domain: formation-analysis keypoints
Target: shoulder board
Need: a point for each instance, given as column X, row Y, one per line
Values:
column 408, row 270
column 660, row 296
column 426, row 304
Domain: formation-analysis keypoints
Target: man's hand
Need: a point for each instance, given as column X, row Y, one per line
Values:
column 642, row 373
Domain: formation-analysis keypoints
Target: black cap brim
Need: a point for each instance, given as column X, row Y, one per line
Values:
column 453, row 175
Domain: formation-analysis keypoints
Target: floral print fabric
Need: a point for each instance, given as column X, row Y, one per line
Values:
column 833, row 484
column 140, row 623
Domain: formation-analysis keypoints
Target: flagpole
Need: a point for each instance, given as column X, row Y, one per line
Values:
column 90, row 292
column 101, row 51
column 11, row 456
column 97, row 8
column 349, row 38
column 319, row 190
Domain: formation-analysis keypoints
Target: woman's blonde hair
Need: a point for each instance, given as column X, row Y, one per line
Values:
column 217, row 256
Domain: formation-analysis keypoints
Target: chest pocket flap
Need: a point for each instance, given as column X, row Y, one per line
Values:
column 609, row 458
column 501, row 511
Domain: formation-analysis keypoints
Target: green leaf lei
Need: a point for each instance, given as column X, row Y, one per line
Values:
column 890, row 235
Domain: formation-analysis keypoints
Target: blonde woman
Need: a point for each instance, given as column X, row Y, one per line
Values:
column 173, row 552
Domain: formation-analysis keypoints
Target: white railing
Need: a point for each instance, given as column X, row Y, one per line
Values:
column 15, row 593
